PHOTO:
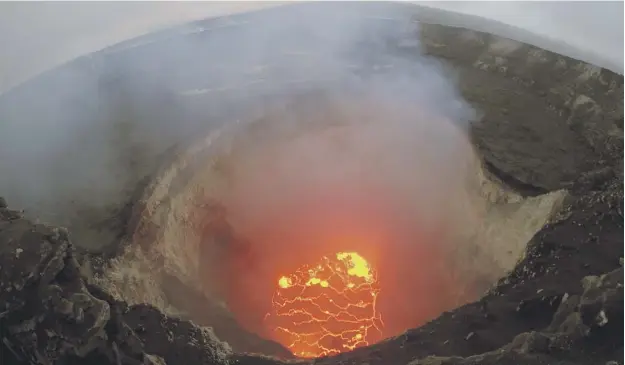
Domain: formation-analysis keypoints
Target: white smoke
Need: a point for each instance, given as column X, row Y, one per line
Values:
column 351, row 138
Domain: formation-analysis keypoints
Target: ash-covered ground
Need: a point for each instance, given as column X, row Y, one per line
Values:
column 545, row 123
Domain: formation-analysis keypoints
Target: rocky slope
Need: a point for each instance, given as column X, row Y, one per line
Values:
column 52, row 315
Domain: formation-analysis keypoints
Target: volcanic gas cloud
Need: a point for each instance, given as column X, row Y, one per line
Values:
column 357, row 160
column 349, row 210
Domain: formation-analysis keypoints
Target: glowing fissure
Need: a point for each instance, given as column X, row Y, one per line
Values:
column 327, row 308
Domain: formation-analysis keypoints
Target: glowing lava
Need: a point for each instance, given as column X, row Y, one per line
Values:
column 327, row 308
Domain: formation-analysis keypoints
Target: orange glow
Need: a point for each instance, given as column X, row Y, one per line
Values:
column 327, row 308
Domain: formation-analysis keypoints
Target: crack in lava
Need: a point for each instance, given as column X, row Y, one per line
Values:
column 327, row 308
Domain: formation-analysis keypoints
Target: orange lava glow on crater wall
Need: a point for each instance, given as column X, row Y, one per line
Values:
column 346, row 225
column 327, row 308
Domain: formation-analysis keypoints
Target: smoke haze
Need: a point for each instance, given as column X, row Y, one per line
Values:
column 79, row 138
column 359, row 145
column 39, row 36
column 349, row 138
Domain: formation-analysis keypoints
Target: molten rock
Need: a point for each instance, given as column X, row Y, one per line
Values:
column 327, row 308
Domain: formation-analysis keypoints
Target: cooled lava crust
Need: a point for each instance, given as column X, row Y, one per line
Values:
column 547, row 123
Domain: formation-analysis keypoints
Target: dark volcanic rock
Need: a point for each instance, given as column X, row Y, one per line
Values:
column 50, row 315
column 578, row 333
column 206, row 312
column 175, row 340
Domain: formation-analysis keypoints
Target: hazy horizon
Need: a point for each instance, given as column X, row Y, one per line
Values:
column 52, row 37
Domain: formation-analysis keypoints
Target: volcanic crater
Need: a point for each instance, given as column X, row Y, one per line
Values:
column 273, row 216
column 336, row 212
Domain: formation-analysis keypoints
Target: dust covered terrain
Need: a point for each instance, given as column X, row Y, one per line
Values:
column 526, row 270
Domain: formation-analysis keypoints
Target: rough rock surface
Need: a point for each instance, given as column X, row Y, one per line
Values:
column 51, row 315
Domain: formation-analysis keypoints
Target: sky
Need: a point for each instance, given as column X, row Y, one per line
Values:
column 36, row 37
